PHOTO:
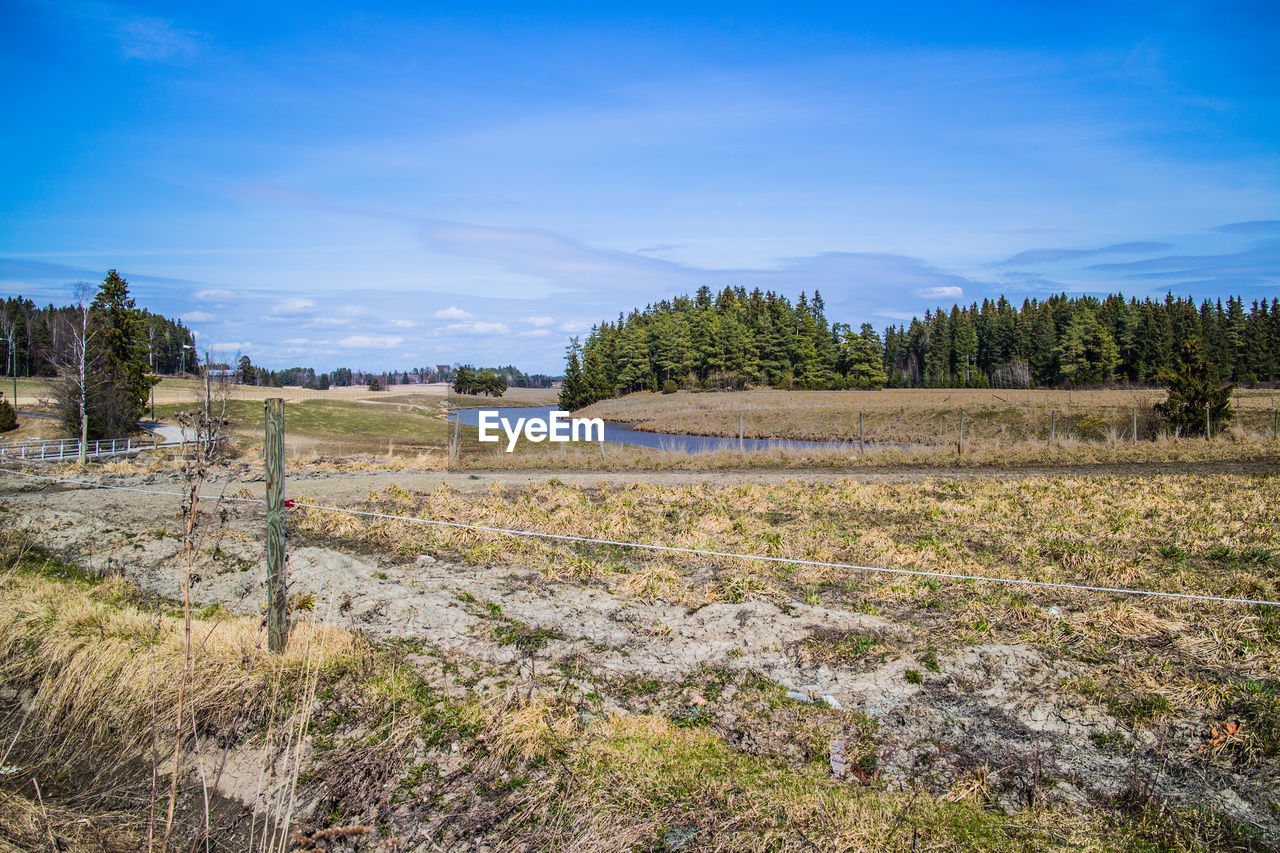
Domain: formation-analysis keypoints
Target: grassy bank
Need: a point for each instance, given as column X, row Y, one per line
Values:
column 915, row 416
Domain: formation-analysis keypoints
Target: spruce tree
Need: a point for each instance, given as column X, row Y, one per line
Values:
column 1194, row 390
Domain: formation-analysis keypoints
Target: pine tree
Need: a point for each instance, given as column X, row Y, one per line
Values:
column 1087, row 354
column 1194, row 390
column 8, row 417
column 572, row 392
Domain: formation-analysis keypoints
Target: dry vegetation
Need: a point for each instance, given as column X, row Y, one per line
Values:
column 914, row 416
column 392, row 762
column 349, row 743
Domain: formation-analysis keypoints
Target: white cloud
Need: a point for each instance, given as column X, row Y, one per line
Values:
column 535, row 333
column 213, row 295
column 574, row 326
column 478, row 328
column 371, row 341
column 538, row 321
column 295, row 307
column 229, row 346
column 350, row 342
column 196, row 317
column 944, row 292
column 451, row 313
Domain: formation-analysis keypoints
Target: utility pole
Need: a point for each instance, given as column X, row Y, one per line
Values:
column 277, row 618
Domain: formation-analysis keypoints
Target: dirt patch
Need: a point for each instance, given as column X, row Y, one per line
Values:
column 992, row 719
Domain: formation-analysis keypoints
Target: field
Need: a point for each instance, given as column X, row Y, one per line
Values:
column 915, row 416
column 489, row 692
column 454, row 689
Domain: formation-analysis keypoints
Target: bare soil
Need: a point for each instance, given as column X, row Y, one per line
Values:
column 988, row 711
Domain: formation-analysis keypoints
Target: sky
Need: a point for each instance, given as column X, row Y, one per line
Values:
column 416, row 184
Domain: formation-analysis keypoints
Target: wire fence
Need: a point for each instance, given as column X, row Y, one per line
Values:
column 700, row 552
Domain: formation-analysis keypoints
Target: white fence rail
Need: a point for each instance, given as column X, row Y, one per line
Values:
column 57, row 450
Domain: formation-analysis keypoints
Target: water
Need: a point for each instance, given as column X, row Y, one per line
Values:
column 615, row 433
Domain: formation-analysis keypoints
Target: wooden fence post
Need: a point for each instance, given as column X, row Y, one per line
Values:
column 453, row 447
column 277, row 625
column 861, row 445
column 1053, row 427
column 960, row 445
column 1135, row 426
column 739, row 432
column 1208, row 427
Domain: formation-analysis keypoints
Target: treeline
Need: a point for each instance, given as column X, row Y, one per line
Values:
column 248, row 373
column 737, row 339
column 44, row 339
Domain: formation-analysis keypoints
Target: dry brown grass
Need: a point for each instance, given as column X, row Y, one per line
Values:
column 1210, row 535
column 111, row 686
column 534, row 772
column 911, row 416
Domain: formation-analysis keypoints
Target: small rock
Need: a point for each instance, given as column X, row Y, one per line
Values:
column 836, row 751
column 798, row 696
column 832, row 701
column 425, row 560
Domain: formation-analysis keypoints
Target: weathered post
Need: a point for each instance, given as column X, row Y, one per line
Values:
column 1207, row 425
column 277, row 627
column 739, row 432
column 1135, row 426
column 1053, row 427
column 1275, row 424
column 861, row 445
column 960, row 444
column 208, row 428
column 453, row 447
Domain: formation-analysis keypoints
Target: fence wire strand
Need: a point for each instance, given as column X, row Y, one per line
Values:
column 673, row 549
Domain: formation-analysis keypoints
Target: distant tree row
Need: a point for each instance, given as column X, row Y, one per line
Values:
column 43, row 339
column 737, row 339
column 248, row 373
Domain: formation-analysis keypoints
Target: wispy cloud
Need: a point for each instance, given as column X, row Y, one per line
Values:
column 294, row 307
column 350, row 342
column 539, row 321
column 535, row 333
column 1262, row 260
column 453, row 312
column 479, row 328
column 137, row 36
column 371, row 341
column 1040, row 256
column 946, row 292
column 1257, row 227
column 213, row 295
column 197, row 317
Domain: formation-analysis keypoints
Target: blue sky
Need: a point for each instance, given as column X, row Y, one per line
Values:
column 407, row 185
